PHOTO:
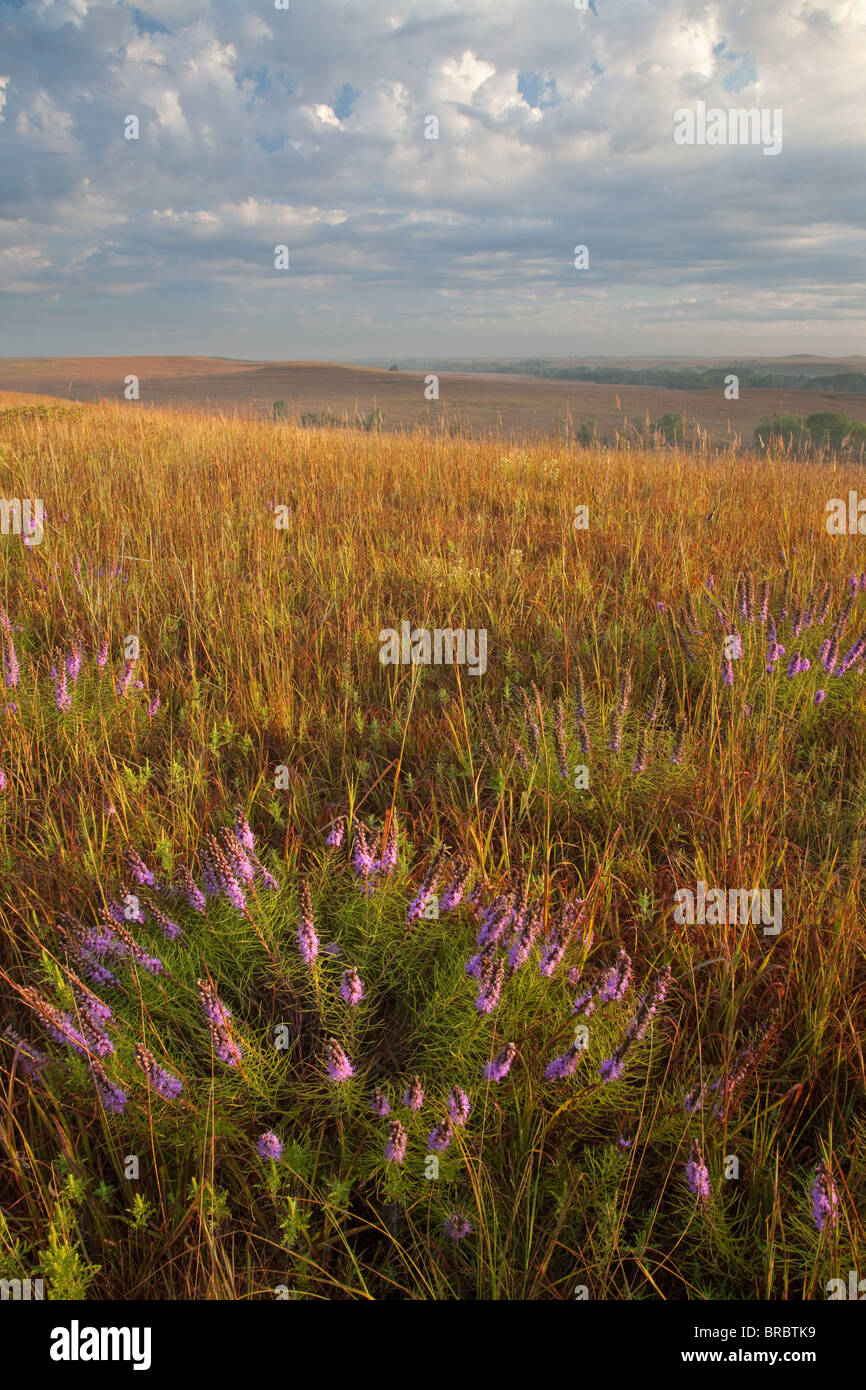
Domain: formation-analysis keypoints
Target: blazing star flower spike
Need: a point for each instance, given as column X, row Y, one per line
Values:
column 337, row 834
column 499, row 1067
column 459, row 1106
column 159, row 1080
column 379, row 1104
column 414, row 1097
column 269, row 1147
column 351, row 988
column 339, row 1066
column 308, row 941
column 825, row 1198
column 396, row 1143
column 697, row 1174
column 457, row 1226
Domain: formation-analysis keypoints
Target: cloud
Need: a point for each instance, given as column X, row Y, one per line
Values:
column 310, row 127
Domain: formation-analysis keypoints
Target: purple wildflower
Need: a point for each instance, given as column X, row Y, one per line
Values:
column 616, row 981
column 441, row 1136
column 565, row 1065
column 612, row 1068
column 153, row 706
column 499, row 1067
column 425, row 892
column 73, row 662
column 113, row 1097
column 30, row 1059
column 139, row 870
column 820, row 696
column 388, row 861
column 459, row 1106
column 239, row 860
column 102, row 655
column 89, row 1005
column 454, row 892
column 457, row 1226
column 339, row 1066
column 362, row 858
column 122, row 685
column 159, row 1080
column 337, row 833
column 697, row 1173
column 268, row 1147
column 351, row 987
column 491, row 980
column 825, row 1199
column 218, row 1017
column 189, row 889
column 62, row 698
column 380, row 1105
column 414, row 1097
column 560, row 935
column 243, row 831
column 308, row 941
column 727, row 671
column 3, row 782
column 395, row 1145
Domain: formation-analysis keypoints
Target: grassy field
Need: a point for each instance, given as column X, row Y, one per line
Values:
column 515, row 407
column 195, row 645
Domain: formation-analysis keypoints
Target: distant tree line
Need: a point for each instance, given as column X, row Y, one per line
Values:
column 671, row 378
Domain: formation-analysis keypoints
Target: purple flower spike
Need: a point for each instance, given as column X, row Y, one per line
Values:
column 395, row 1145
column 617, row 980
column 500, row 1066
column 339, row 1066
column 414, row 1097
column 563, row 1066
column 351, row 988
column 160, row 1080
column 491, row 980
column 268, row 1147
column 380, row 1104
column 441, row 1136
column 243, row 831
column 611, row 1070
column 337, row 834
column 459, row 1106
column 820, row 696
column 73, row 662
column 139, row 870
column 308, row 941
column 218, row 1017
column 825, row 1199
column 457, row 1226
column 113, row 1097
column 697, row 1174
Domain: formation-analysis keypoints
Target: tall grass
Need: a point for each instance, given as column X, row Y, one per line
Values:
column 262, row 641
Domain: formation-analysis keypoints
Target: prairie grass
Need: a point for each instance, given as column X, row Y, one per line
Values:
column 262, row 642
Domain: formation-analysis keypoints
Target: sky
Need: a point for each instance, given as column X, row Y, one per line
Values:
column 307, row 127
